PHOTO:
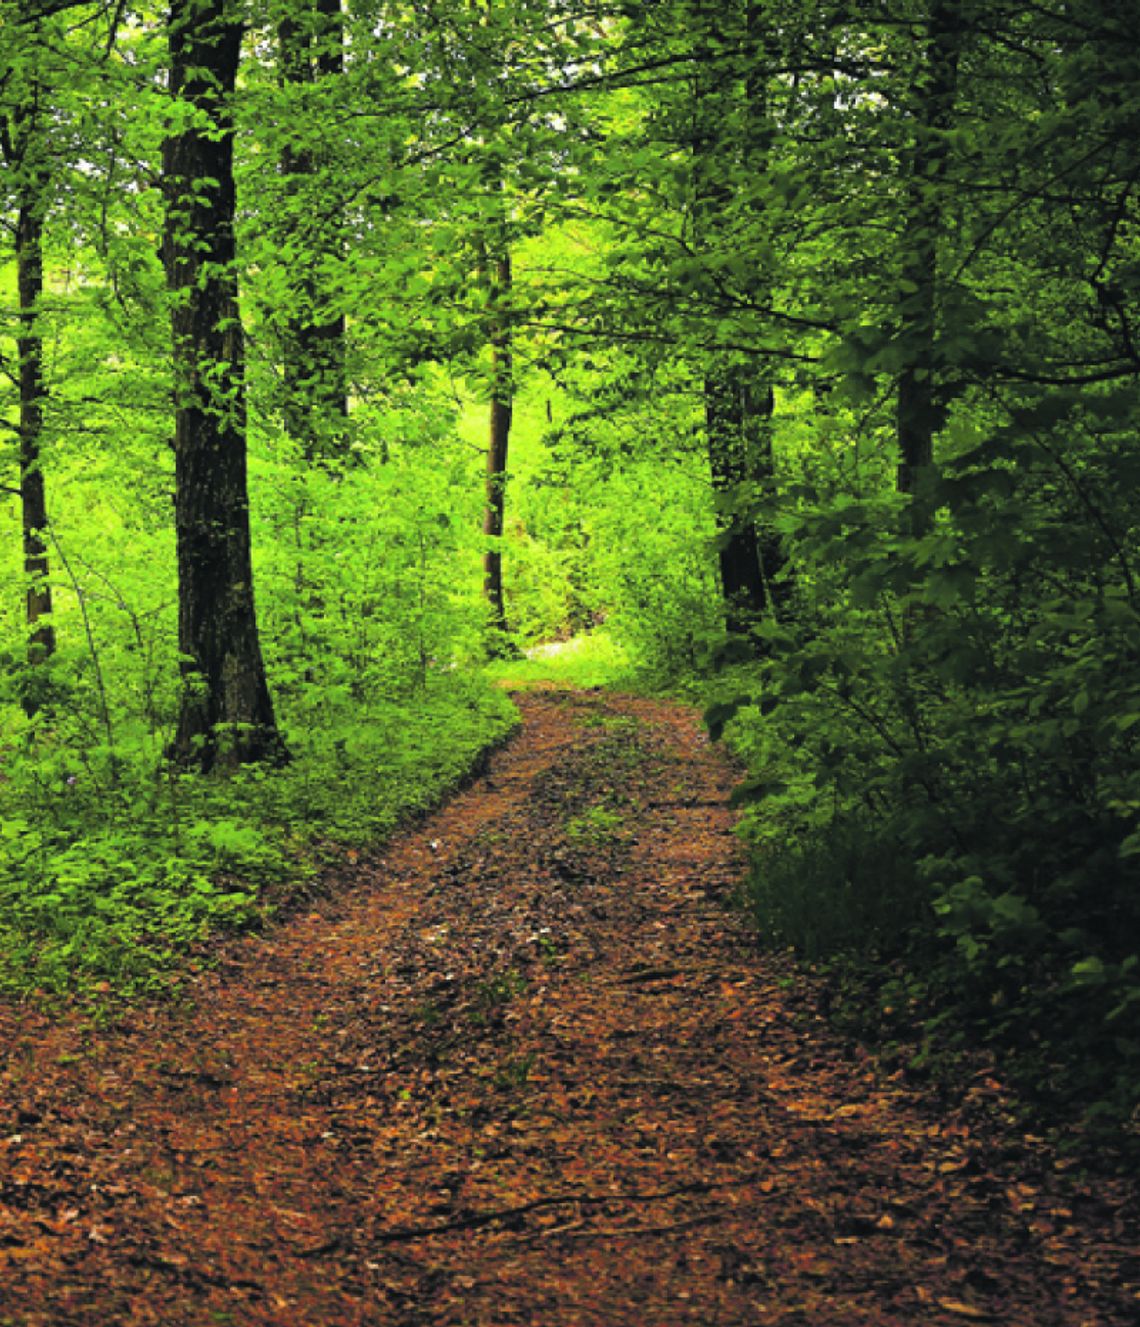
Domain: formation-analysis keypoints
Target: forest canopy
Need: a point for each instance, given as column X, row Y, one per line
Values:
column 786, row 347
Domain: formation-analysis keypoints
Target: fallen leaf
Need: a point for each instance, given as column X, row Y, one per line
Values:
column 956, row 1306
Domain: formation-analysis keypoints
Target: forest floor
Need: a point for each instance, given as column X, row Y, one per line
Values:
column 524, row 1066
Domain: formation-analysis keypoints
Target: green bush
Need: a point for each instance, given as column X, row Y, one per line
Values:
column 942, row 750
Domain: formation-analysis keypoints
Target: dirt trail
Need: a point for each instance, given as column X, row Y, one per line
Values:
column 525, row 1068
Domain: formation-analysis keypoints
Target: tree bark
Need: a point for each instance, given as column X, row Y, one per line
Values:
column 502, row 399
column 738, row 426
column 226, row 715
column 314, row 363
column 22, row 154
column 738, row 396
column 918, row 411
column 30, row 352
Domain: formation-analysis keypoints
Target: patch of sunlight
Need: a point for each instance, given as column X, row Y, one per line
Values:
column 593, row 660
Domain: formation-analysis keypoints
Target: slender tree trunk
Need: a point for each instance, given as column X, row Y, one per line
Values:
column 738, row 396
column 502, row 400
column 33, row 498
column 918, row 413
column 314, row 363
column 738, row 427
column 21, row 146
column 226, row 713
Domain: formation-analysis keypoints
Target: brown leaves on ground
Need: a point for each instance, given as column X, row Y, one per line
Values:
column 526, row 1069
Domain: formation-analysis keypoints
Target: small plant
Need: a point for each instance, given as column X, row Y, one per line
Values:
column 619, row 725
column 547, row 946
column 514, row 1072
column 596, row 828
column 499, row 990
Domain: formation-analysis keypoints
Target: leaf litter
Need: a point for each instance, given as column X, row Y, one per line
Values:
column 524, row 1066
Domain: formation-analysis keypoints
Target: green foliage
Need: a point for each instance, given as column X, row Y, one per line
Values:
column 594, row 828
column 110, row 885
column 653, row 569
column 942, row 747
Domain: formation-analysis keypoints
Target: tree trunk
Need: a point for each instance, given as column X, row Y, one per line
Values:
column 918, row 413
column 22, row 155
column 314, row 366
column 738, row 426
column 502, row 397
column 738, row 396
column 226, row 714
column 33, row 498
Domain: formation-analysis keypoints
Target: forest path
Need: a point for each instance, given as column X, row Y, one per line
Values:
column 524, row 1068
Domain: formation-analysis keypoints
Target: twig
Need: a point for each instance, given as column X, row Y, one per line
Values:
column 660, row 974
column 474, row 1220
column 580, row 1230
column 647, row 974
column 717, row 803
column 96, row 662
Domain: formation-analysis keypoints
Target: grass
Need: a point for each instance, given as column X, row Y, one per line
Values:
column 595, row 828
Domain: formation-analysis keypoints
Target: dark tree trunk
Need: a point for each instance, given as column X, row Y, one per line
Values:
column 918, row 414
column 23, row 156
column 502, row 398
column 314, row 365
column 738, row 426
column 738, row 396
column 226, row 713
column 33, row 498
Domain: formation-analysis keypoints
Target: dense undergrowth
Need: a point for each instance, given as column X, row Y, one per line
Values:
column 113, row 869
column 114, row 864
column 943, row 792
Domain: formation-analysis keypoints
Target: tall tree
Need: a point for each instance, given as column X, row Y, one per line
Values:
column 498, row 266
column 739, row 398
column 311, row 41
column 23, row 142
column 501, row 148
column 919, row 407
column 226, row 714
